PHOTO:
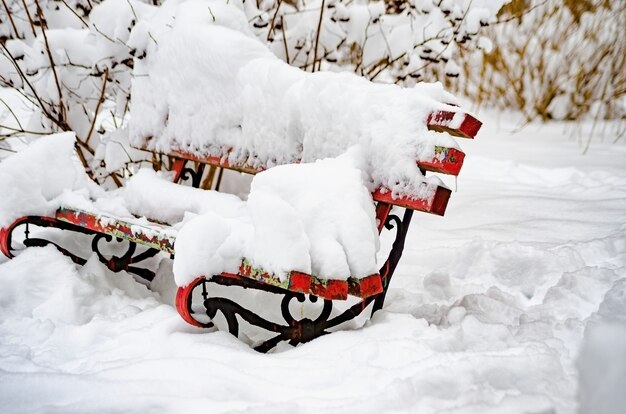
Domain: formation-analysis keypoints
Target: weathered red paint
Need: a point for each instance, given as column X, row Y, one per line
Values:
column 445, row 161
column 5, row 235
column 4, row 242
column 177, row 167
column 365, row 287
column 217, row 161
column 183, row 302
column 382, row 211
column 329, row 289
column 115, row 227
column 435, row 205
column 298, row 282
column 440, row 121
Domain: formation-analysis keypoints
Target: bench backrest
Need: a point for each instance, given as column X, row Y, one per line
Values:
column 446, row 160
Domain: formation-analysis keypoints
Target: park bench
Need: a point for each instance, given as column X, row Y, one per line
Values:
column 194, row 303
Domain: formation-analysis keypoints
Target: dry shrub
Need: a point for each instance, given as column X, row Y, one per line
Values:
column 554, row 59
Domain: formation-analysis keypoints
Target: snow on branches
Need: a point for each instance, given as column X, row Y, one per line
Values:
column 72, row 61
column 391, row 40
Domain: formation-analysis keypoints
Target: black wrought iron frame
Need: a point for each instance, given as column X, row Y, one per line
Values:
column 296, row 331
column 114, row 263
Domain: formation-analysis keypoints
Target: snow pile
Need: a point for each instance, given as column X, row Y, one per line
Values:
column 314, row 218
column 66, row 296
column 153, row 195
column 32, row 180
column 211, row 88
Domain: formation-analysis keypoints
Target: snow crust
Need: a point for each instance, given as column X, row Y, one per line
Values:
column 208, row 86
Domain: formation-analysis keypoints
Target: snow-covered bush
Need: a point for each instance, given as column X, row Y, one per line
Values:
column 392, row 40
column 560, row 59
column 72, row 61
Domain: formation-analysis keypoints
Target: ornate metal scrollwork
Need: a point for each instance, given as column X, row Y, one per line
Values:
column 114, row 263
column 124, row 262
column 193, row 174
column 389, row 267
column 293, row 330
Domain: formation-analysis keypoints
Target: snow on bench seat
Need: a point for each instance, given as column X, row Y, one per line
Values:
column 153, row 235
column 161, row 237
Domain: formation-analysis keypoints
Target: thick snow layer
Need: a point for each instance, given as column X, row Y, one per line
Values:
column 487, row 312
column 314, row 218
column 210, row 87
column 150, row 195
column 290, row 222
column 32, row 180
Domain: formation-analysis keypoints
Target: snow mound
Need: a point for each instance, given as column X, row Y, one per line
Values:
column 32, row 180
column 211, row 88
column 154, row 195
column 44, row 286
column 314, row 218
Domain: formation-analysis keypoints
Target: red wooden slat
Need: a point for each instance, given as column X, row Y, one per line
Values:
column 365, row 287
column 435, row 205
column 298, row 282
column 458, row 124
column 217, row 161
column 446, row 161
column 117, row 227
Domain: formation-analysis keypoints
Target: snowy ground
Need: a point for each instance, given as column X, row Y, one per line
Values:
column 486, row 314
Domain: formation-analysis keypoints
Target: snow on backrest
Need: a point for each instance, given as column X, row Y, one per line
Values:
column 211, row 90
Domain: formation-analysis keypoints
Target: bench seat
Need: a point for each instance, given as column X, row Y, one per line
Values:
column 161, row 237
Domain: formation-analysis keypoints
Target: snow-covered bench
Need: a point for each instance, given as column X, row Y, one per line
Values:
column 158, row 237
column 227, row 102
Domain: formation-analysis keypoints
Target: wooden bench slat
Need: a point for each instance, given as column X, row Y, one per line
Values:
column 435, row 205
column 458, row 124
column 446, row 161
column 217, row 161
column 113, row 226
column 309, row 284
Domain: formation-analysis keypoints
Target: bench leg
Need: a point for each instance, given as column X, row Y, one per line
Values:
column 389, row 267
